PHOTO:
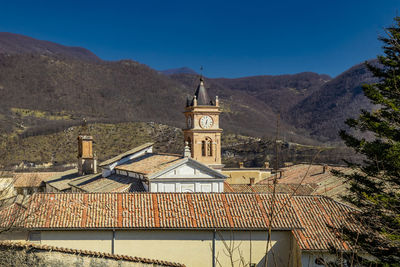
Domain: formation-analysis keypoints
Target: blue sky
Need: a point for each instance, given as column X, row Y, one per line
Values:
column 229, row 38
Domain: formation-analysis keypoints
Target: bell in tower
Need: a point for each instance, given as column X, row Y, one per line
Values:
column 202, row 131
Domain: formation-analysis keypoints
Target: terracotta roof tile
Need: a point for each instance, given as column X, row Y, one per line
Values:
column 125, row 154
column 309, row 217
column 149, row 163
column 298, row 189
column 323, row 183
column 112, row 183
column 32, row 179
column 8, row 244
column 317, row 215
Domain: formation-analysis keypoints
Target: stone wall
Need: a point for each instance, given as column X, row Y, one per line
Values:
column 28, row 255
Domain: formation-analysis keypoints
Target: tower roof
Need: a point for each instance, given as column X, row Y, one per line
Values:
column 201, row 95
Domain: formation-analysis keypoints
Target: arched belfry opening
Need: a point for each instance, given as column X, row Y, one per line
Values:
column 207, row 147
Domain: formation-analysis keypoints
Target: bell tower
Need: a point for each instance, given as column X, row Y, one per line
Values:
column 202, row 132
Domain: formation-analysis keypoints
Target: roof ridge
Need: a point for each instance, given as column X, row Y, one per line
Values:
column 166, row 153
column 88, row 253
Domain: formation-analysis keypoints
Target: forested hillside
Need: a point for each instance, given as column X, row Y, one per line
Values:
column 46, row 88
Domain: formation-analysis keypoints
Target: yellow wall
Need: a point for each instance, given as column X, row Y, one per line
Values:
column 89, row 240
column 242, row 176
column 192, row 248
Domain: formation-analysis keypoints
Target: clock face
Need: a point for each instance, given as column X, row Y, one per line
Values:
column 189, row 122
column 206, row 122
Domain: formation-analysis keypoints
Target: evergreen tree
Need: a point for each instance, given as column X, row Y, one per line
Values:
column 375, row 182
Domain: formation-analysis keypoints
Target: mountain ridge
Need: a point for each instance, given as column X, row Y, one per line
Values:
column 12, row 43
column 82, row 85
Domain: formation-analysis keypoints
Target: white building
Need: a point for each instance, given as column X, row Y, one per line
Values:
column 161, row 172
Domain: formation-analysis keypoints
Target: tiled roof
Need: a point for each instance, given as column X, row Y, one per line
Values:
column 84, row 179
column 309, row 217
column 32, row 179
column 156, row 210
column 112, row 183
column 297, row 189
column 319, row 216
column 8, row 244
column 324, row 183
column 127, row 153
column 150, row 163
column 61, row 181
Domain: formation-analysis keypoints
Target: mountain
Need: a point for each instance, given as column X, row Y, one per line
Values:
column 11, row 43
column 47, row 87
column 109, row 91
column 279, row 92
column 183, row 70
column 324, row 111
column 40, row 92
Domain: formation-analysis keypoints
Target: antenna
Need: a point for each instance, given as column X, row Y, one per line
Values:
column 276, row 148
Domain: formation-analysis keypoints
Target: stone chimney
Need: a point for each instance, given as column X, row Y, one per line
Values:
column 324, row 168
column 266, row 165
column 186, row 151
column 241, row 165
column 216, row 101
column 87, row 160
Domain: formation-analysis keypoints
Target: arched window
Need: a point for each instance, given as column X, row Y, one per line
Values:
column 207, row 147
column 189, row 141
column 203, row 148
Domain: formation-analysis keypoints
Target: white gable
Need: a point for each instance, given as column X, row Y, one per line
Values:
column 186, row 171
column 187, row 176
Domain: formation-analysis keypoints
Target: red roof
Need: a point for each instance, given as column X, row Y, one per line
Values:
column 308, row 216
column 322, row 182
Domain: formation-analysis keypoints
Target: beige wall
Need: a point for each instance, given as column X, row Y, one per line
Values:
column 193, row 248
column 242, row 176
column 6, row 188
column 89, row 240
